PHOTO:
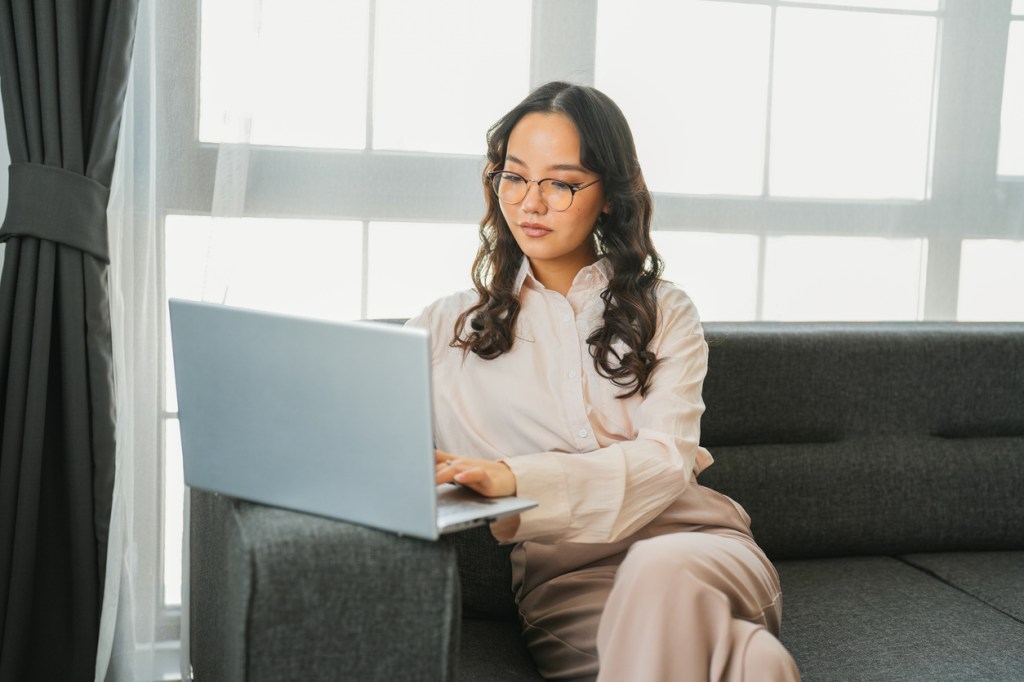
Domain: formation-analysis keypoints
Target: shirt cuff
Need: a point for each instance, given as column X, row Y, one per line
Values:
column 540, row 477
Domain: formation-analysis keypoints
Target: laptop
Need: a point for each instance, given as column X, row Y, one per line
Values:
column 329, row 418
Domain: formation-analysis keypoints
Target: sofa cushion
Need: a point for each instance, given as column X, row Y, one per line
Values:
column 996, row 578
column 877, row 495
column 494, row 650
column 878, row 618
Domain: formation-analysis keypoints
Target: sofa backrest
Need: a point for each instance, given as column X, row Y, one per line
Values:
column 847, row 439
column 869, row 438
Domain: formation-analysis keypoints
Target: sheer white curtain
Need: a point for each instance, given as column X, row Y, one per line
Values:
column 144, row 631
column 130, row 626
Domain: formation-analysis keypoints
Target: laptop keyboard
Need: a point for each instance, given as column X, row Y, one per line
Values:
column 461, row 501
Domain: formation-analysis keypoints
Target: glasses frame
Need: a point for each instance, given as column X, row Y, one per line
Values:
column 573, row 188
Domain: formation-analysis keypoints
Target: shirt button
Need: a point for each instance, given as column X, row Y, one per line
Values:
column 566, row 317
column 572, row 374
column 589, row 277
column 583, row 433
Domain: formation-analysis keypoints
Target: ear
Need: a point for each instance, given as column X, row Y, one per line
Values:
column 607, row 208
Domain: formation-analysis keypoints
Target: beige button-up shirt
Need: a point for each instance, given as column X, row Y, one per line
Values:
column 599, row 467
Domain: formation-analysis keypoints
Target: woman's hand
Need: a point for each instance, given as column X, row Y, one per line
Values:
column 493, row 479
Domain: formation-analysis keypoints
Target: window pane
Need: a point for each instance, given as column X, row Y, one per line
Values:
column 693, row 81
column 414, row 264
column 174, row 493
column 919, row 5
column 718, row 271
column 441, row 78
column 301, row 267
column 1017, row 7
column 852, row 104
column 843, row 278
column 991, row 280
column 296, row 68
column 1011, row 133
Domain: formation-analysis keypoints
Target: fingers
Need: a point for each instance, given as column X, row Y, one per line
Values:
column 475, row 478
column 463, row 473
column 445, row 470
column 493, row 479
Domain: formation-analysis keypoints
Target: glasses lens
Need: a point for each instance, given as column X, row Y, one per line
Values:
column 510, row 188
column 557, row 195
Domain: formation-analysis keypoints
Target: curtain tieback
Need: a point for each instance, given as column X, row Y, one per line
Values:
column 51, row 203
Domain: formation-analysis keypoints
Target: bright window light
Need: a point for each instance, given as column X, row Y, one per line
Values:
column 284, row 72
column 991, row 280
column 1017, row 8
column 692, row 79
column 718, row 271
column 843, row 278
column 441, row 79
column 413, row 264
column 1011, row 130
column 851, row 109
column 311, row 268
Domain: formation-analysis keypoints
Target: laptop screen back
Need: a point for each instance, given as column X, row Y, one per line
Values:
column 323, row 417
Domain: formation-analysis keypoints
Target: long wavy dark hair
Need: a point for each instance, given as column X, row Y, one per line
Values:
column 623, row 236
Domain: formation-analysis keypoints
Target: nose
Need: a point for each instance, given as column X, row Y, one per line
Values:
column 532, row 202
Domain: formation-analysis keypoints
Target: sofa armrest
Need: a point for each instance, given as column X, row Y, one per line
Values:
column 278, row 595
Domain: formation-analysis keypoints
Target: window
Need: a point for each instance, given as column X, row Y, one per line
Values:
column 772, row 99
column 694, row 86
column 433, row 261
column 991, row 279
column 720, row 272
column 298, row 73
column 294, row 74
column 843, row 278
column 1011, row 139
column 422, row 49
column 851, row 104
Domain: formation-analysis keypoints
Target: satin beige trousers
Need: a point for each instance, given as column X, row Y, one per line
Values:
column 689, row 597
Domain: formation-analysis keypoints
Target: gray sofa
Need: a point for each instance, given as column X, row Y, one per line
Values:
column 883, row 467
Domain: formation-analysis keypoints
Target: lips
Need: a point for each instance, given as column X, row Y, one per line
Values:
column 533, row 229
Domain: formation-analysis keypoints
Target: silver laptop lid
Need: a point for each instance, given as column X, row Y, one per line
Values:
column 323, row 417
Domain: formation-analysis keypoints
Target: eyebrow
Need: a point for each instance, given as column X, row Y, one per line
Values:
column 560, row 166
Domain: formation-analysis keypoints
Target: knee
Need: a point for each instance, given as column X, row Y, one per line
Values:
column 664, row 560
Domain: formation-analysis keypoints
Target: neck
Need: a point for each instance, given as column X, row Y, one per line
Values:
column 559, row 275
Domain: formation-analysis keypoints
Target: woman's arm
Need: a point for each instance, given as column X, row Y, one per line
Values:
column 606, row 494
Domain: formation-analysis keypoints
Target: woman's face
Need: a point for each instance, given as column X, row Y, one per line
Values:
column 546, row 145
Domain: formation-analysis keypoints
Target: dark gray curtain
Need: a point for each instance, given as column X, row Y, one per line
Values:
column 63, row 71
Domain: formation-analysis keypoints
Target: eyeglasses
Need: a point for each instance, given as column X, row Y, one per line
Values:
column 511, row 188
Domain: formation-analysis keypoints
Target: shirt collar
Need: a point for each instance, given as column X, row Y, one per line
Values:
column 525, row 273
column 598, row 274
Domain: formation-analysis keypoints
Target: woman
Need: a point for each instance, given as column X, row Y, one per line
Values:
column 572, row 376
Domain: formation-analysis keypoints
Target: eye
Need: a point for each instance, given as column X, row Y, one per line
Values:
column 512, row 178
column 560, row 186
